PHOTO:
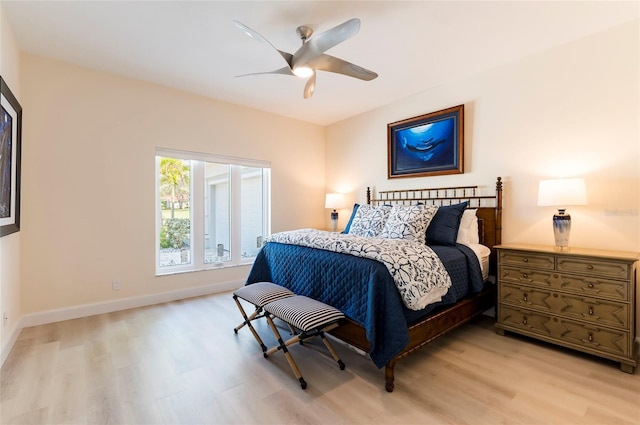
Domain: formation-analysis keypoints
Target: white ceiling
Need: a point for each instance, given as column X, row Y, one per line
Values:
column 195, row 46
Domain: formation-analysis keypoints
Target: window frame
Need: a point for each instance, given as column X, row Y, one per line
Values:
column 197, row 209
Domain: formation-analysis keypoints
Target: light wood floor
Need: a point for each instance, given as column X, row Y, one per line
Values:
column 181, row 363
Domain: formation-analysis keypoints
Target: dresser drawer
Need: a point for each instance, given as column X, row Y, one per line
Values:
column 565, row 331
column 591, row 286
column 593, row 267
column 528, row 259
column 608, row 313
column 540, row 278
column 582, row 285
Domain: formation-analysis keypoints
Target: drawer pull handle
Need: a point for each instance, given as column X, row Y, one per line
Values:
column 524, row 298
column 524, row 320
column 590, row 310
column 526, row 260
column 590, row 336
column 524, row 275
column 590, row 285
column 590, row 267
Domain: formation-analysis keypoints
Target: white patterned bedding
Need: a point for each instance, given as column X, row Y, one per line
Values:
column 418, row 273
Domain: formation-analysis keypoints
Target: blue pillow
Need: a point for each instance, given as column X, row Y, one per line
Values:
column 353, row 214
column 443, row 229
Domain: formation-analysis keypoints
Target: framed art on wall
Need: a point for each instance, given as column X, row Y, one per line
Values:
column 427, row 145
column 10, row 145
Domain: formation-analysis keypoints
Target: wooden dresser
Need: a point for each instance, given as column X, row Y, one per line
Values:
column 581, row 298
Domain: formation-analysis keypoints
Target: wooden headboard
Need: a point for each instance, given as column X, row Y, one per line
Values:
column 489, row 207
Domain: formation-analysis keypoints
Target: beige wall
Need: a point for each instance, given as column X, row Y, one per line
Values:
column 572, row 110
column 9, row 245
column 88, row 179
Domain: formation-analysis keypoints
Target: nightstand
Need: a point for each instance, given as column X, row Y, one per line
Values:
column 581, row 298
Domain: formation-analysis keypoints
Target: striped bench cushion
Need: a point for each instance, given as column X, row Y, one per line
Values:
column 304, row 313
column 262, row 293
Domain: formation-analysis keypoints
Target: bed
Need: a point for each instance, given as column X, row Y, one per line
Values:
column 364, row 286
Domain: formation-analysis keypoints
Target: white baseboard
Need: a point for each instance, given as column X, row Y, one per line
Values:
column 8, row 345
column 58, row 315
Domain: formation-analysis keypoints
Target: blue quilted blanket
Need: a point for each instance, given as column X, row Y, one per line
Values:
column 362, row 288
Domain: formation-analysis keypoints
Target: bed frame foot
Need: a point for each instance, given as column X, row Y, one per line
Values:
column 389, row 376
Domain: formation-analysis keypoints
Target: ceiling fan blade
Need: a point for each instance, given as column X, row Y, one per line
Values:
column 288, row 57
column 336, row 35
column 322, row 42
column 284, row 71
column 330, row 63
column 310, row 86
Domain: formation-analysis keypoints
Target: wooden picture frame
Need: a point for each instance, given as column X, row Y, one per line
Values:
column 427, row 145
column 10, row 155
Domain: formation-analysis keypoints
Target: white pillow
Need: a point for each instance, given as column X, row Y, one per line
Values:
column 408, row 222
column 369, row 220
column 483, row 253
column 468, row 230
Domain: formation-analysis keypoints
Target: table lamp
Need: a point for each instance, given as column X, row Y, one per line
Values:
column 560, row 193
column 334, row 201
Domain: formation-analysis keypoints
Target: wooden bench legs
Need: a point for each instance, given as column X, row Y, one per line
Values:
column 310, row 317
column 301, row 337
column 259, row 294
column 247, row 321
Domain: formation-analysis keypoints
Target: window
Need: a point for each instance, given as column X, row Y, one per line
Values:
column 211, row 211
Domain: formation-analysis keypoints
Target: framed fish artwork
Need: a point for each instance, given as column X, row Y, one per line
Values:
column 427, row 145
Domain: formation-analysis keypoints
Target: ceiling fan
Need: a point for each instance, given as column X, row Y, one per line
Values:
column 310, row 57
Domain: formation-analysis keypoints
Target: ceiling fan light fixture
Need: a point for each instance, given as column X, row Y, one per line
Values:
column 311, row 56
column 303, row 72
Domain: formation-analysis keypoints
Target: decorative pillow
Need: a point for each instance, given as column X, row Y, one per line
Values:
column 369, row 220
column 353, row 214
column 408, row 222
column 443, row 229
column 468, row 231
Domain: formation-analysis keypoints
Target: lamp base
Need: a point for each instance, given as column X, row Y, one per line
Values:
column 561, row 229
column 334, row 220
column 561, row 248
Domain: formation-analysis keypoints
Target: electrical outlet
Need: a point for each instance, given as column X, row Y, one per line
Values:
column 115, row 285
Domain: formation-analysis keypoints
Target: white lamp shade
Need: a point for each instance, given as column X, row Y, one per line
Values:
column 334, row 201
column 562, row 192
